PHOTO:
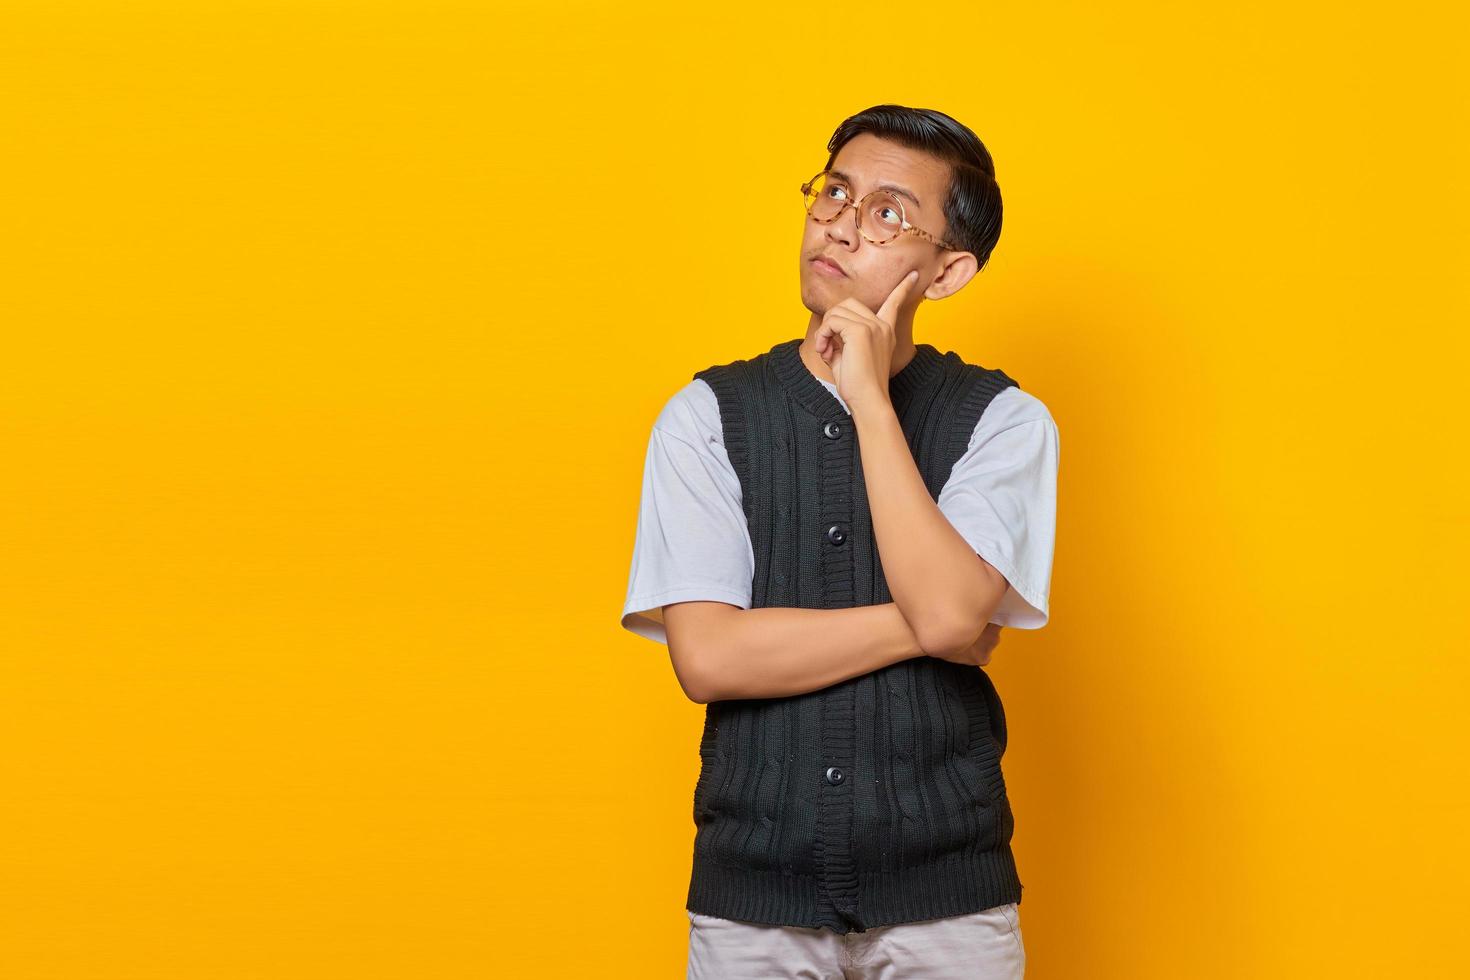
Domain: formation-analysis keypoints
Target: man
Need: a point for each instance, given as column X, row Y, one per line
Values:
column 831, row 535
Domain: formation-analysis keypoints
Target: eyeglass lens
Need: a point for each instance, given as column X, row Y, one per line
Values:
column 880, row 217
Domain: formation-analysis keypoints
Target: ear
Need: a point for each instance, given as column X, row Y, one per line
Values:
column 958, row 269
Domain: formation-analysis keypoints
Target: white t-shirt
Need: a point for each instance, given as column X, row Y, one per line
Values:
column 692, row 541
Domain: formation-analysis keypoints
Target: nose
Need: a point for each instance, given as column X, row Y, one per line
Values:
column 843, row 229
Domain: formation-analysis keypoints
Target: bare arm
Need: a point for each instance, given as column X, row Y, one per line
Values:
column 943, row 587
column 945, row 590
column 722, row 652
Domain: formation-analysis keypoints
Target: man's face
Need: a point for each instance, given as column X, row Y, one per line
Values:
column 873, row 270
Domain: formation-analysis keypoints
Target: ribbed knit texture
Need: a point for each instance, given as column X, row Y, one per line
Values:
column 919, row 825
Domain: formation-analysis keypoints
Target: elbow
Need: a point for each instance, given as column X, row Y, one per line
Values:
column 696, row 678
column 948, row 636
column 952, row 627
column 698, row 693
column 941, row 643
column 698, row 639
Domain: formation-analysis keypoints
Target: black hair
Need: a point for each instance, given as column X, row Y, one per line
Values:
column 972, row 207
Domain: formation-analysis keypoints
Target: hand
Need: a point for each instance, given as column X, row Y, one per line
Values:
column 857, row 344
column 977, row 654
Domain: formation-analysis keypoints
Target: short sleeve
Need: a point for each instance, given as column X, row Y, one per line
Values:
column 1001, row 496
column 691, row 541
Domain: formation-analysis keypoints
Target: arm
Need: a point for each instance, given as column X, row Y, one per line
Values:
column 722, row 652
column 941, row 585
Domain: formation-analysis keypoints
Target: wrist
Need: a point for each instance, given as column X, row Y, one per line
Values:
column 873, row 409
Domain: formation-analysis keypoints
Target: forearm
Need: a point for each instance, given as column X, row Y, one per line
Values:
column 936, row 579
column 777, row 651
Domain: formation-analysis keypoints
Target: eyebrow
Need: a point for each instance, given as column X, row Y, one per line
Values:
column 882, row 187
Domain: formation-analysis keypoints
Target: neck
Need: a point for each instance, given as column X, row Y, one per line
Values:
column 903, row 350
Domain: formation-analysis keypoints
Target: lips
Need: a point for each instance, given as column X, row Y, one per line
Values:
column 829, row 265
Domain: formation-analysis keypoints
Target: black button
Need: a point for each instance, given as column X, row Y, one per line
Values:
column 780, row 578
column 832, row 430
column 834, row 775
column 836, row 534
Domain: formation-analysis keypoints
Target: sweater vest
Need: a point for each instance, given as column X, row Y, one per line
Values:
column 879, row 799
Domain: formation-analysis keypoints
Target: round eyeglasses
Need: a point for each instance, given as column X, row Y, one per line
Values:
column 880, row 216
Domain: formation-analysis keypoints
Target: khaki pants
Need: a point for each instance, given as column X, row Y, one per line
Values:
column 980, row 946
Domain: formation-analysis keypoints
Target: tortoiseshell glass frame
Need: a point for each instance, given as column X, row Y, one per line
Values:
column 903, row 217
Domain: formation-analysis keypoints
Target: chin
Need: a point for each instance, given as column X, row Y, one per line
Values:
column 815, row 303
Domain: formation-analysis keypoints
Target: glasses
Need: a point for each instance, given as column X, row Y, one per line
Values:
column 880, row 216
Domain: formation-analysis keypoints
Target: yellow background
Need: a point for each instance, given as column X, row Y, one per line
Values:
column 333, row 334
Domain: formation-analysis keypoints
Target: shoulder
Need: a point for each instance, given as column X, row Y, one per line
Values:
column 1014, row 406
column 1010, row 405
column 692, row 415
column 736, row 363
column 722, row 392
column 1020, row 419
column 726, row 377
column 1016, row 428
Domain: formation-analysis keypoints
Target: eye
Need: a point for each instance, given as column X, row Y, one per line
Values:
column 836, row 189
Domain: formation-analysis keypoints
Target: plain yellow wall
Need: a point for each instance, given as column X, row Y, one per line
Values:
column 333, row 334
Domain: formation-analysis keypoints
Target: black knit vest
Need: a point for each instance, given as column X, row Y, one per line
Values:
column 879, row 799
